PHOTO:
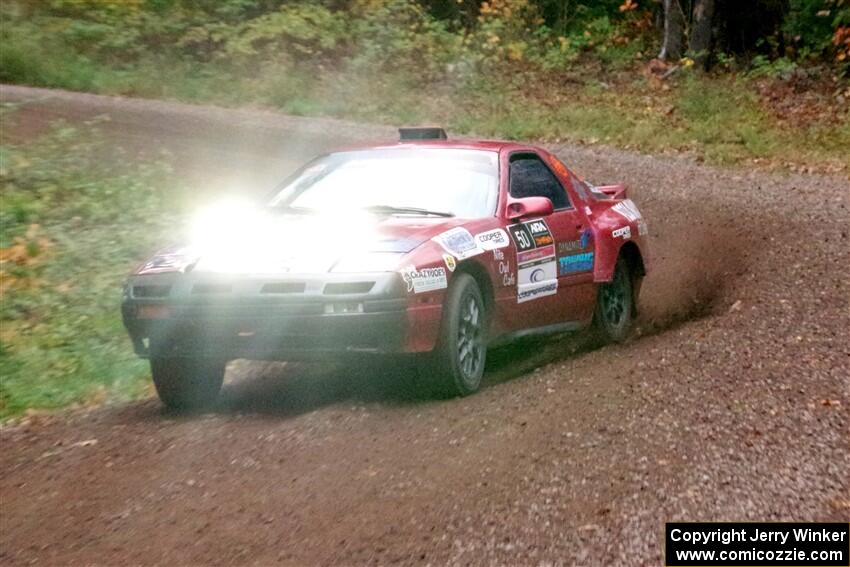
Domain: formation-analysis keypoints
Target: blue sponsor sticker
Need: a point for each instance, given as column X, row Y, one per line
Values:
column 586, row 237
column 575, row 263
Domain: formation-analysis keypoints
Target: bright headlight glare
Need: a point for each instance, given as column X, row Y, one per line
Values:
column 176, row 261
column 369, row 262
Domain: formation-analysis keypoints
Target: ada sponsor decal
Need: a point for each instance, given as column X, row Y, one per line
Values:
column 643, row 229
column 625, row 233
column 450, row 261
column 627, row 209
column 540, row 232
column 575, row 263
column 426, row 279
column 459, row 242
column 492, row 239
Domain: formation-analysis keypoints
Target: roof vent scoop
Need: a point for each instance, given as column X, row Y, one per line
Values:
column 431, row 133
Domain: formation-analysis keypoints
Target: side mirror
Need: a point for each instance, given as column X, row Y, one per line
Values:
column 529, row 207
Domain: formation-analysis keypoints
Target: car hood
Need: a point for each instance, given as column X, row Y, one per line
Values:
column 284, row 243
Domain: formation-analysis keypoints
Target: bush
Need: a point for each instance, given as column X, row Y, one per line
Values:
column 400, row 36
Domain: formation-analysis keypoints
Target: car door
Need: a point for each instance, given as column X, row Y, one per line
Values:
column 555, row 252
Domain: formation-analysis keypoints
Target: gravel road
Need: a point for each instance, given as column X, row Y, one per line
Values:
column 732, row 402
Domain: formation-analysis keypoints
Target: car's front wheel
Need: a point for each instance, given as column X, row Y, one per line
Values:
column 187, row 383
column 457, row 364
column 615, row 305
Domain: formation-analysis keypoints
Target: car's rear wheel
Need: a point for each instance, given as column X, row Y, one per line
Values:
column 457, row 364
column 615, row 305
column 187, row 383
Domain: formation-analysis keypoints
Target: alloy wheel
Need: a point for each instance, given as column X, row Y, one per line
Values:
column 614, row 300
column 470, row 343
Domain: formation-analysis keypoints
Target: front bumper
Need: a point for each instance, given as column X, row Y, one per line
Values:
column 274, row 318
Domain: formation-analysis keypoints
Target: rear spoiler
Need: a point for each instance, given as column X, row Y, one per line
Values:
column 617, row 191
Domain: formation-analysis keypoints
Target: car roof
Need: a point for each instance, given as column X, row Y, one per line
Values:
column 453, row 144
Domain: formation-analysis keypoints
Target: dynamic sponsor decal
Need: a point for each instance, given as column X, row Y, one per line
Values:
column 450, row 261
column 575, row 263
column 625, row 233
column 586, row 237
column 569, row 246
column 643, row 229
column 425, row 279
column 582, row 243
column 459, row 242
column 537, row 273
column 627, row 209
column 492, row 239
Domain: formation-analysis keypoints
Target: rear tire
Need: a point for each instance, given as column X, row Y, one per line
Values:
column 615, row 305
column 456, row 366
column 187, row 383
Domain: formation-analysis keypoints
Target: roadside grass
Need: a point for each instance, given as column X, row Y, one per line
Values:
column 74, row 218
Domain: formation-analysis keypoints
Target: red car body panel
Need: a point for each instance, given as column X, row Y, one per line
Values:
column 582, row 243
column 576, row 297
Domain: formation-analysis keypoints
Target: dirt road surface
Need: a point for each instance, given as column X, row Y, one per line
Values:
column 732, row 402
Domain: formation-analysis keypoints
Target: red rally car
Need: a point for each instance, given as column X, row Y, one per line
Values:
column 429, row 247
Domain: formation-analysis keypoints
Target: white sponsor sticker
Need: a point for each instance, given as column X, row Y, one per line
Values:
column 627, row 209
column 450, row 261
column 492, row 239
column 533, row 291
column 426, row 279
column 459, row 242
column 625, row 233
column 537, row 273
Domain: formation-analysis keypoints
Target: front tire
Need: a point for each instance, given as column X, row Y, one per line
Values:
column 615, row 305
column 187, row 383
column 457, row 364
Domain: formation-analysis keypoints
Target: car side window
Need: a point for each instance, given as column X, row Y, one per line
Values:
column 529, row 177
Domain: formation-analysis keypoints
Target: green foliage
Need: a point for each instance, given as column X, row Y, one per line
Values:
column 295, row 30
column 762, row 66
column 810, row 24
column 75, row 218
column 400, row 36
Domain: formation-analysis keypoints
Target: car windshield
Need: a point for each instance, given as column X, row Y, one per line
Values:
column 418, row 181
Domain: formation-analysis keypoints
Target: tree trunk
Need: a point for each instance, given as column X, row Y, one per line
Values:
column 700, row 45
column 674, row 31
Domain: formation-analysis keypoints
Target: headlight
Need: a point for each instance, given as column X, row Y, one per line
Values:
column 177, row 261
column 369, row 262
